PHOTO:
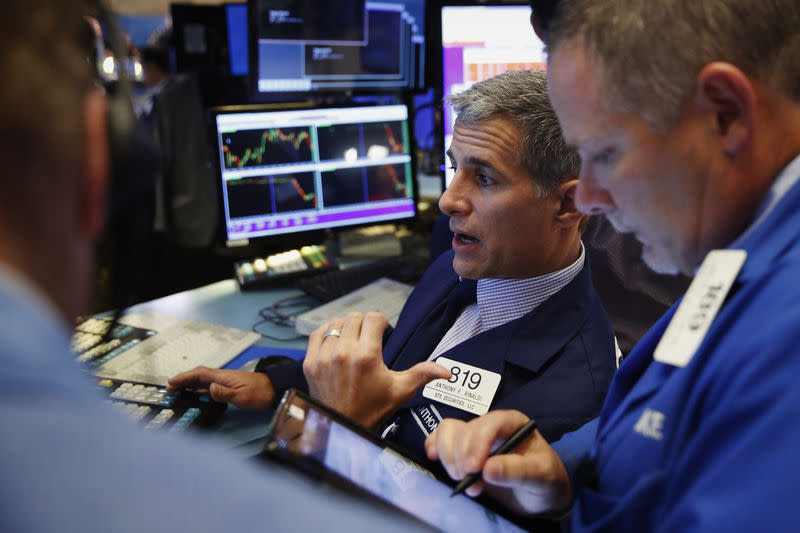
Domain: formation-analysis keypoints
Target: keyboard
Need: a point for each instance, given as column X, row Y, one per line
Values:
column 180, row 347
column 92, row 348
column 384, row 295
column 335, row 284
column 155, row 408
column 147, row 401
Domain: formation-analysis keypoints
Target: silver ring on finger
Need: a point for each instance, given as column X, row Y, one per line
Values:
column 331, row 333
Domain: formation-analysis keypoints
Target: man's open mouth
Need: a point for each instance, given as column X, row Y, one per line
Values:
column 466, row 239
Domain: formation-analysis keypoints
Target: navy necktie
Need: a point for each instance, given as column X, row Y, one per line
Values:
column 430, row 331
column 418, row 348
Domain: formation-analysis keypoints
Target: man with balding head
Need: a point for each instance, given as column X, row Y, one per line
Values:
column 692, row 143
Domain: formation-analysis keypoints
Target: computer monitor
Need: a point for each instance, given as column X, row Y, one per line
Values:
column 296, row 171
column 481, row 41
column 200, row 37
column 236, row 25
column 347, row 46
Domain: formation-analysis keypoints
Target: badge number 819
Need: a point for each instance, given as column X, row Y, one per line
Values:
column 467, row 378
column 469, row 388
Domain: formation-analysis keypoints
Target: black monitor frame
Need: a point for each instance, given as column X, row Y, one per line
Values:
column 413, row 81
column 199, row 37
column 436, row 49
column 433, row 34
column 300, row 237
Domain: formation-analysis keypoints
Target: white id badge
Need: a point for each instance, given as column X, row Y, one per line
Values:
column 700, row 305
column 469, row 388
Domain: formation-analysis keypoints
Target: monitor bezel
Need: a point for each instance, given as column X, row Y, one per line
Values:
column 316, row 470
column 289, row 240
column 209, row 16
column 420, row 86
column 435, row 57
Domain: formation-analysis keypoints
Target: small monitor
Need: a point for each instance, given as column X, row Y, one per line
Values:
column 347, row 46
column 236, row 25
column 293, row 171
column 481, row 41
column 200, row 37
column 332, row 450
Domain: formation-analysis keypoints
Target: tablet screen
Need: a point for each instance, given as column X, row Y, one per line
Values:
column 319, row 437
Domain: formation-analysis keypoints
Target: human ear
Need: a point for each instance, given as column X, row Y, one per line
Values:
column 566, row 214
column 537, row 29
column 730, row 96
column 93, row 185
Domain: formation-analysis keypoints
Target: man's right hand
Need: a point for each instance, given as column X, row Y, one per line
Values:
column 347, row 371
column 247, row 390
column 531, row 479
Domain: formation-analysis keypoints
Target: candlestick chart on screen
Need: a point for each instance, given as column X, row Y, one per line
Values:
column 265, row 147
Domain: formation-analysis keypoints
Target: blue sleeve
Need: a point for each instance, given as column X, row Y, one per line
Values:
column 286, row 376
column 573, row 447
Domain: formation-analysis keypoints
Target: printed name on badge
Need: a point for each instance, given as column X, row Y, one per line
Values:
column 469, row 388
column 699, row 307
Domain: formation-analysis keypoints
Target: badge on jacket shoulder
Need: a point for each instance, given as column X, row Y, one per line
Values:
column 699, row 307
column 469, row 388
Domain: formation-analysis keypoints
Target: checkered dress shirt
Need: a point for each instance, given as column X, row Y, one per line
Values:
column 503, row 300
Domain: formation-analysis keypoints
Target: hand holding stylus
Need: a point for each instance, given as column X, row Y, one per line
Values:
column 527, row 476
column 512, row 442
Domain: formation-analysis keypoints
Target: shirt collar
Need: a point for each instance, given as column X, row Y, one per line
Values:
column 502, row 300
column 780, row 186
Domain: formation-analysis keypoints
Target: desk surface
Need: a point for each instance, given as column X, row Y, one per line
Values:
column 223, row 303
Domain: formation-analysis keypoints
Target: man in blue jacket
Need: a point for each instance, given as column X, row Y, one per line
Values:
column 509, row 316
column 691, row 142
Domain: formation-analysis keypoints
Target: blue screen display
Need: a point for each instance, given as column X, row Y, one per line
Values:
column 236, row 20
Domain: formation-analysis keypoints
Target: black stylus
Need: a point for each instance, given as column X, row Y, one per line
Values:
column 518, row 436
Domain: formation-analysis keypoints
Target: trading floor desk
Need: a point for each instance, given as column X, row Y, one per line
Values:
column 223, row 303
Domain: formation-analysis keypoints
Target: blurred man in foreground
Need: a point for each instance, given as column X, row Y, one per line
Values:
column 69, row 461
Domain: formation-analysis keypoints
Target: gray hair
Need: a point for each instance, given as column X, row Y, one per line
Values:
column 521, row 97
column 650, row 52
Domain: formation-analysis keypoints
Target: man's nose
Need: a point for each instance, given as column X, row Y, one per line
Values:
column 590, row 198
column 453, row 200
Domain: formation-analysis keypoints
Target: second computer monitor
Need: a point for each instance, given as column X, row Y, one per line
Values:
column 347, row 46
column 481, row 41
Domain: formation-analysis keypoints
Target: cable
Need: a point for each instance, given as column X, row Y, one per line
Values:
column 277, row 316
column 273, row 337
